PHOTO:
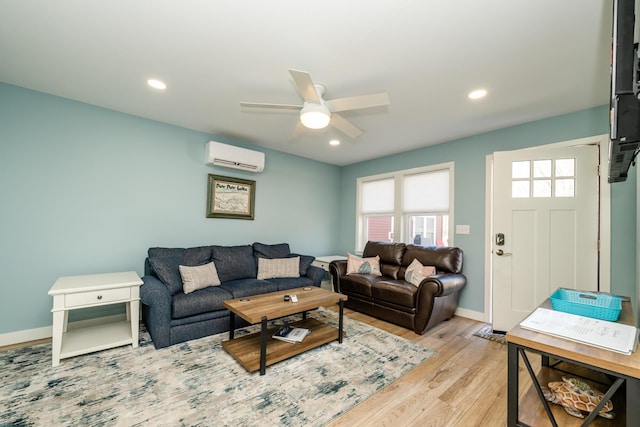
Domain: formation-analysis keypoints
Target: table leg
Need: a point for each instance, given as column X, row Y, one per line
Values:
column 263, row 346
column 59, row 325
column 134, row 313
column 633, row 399
column 512, row 385
column 232, row 324
column 340, row 320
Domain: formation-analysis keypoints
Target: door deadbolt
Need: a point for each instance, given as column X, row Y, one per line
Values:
column 500, row 239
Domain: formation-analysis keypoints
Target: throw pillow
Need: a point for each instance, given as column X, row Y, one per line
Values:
column 202, row 276
column 278, row 267
column 357, row 265
column 416, row 272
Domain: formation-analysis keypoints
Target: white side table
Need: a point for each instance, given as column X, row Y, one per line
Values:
column 74, row 292
column 323, row 262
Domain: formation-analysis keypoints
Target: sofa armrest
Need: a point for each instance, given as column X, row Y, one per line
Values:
column 316, row 274
column 440, row 285
column 156, row 310
column 337, row 269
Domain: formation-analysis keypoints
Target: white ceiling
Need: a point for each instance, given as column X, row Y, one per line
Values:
column 537, row 59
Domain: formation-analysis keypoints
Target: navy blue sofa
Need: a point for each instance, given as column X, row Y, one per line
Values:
column 172, row 317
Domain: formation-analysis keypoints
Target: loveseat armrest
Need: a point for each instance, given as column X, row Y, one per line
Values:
column 156, row 310
column 439, row 285
column 316, row 274
column 337, row 269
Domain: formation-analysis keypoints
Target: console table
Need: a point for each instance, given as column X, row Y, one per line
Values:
column 623, row 371
column 323, row 262
column 75, row 292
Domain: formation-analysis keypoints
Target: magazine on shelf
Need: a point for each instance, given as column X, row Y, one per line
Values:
column 291, row 334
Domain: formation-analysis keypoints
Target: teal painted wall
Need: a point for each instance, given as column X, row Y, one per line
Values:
column 469, row 156
column 88, row 190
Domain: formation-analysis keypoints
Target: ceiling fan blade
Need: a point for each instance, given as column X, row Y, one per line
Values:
column 297, row 131
column 345, row 126
column 304, row 86
column 264, row 105
column 357, row 102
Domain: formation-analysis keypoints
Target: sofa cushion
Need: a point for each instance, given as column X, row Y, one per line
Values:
column 201, row 301
column 268, row 268
column 165, row 263
column 286, row 283
column 416, row 272
column 247, row 287
column 198, row 277
column 445, row 259
column 391, row 256
column 280, row 250
column 357, row 265
column 357, row 284
column 234, row 262
column 305, row 262
column 166, row 269
column 397, row 292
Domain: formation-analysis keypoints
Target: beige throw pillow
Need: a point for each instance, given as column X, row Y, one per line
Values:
column 357, row 265
column 271, row 268
column 198, row 277
column 416, row 272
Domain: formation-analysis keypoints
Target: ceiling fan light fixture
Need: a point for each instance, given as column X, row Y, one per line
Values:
column 315, row 116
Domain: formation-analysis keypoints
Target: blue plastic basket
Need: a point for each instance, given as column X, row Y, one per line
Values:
column 589, row 304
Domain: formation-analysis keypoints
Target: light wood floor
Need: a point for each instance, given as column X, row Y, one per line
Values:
column 463, row 384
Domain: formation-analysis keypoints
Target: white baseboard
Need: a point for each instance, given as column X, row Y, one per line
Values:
column 46, row 332
column 470, row 314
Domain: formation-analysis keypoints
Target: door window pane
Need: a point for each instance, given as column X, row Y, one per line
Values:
column 565, row 187
column 542, row 187
column 565, row 167
column 520, row 189
column 520, row 170
column 541, row 169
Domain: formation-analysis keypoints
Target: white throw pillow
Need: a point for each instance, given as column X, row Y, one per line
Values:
column 416, row 272
column 271, row 268
column 357, row 265
column 198, row 277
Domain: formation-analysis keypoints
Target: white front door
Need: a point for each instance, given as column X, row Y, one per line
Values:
column 545, row 224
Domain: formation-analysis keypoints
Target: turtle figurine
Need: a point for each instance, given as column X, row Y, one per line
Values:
column 576, row 397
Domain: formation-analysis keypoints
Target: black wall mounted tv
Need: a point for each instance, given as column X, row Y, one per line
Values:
column 624, row 117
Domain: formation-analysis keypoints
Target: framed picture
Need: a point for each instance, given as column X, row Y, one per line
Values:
column 229, row 197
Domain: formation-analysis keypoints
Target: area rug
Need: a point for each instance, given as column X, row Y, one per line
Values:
column 198, row 384
column 487, row 333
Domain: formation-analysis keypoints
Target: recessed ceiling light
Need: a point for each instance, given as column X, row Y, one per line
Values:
column 477, row 94
column 334, row 142
column 156, row 84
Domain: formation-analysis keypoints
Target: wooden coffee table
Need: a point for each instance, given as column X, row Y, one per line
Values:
column 259, row 350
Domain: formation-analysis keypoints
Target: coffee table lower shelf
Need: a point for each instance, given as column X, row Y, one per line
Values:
column 246, row 349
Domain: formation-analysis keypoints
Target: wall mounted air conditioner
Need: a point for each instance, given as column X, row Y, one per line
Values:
column 230, row 156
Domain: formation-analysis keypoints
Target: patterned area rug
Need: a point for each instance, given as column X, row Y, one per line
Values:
column 198, row 383
column 487, row 333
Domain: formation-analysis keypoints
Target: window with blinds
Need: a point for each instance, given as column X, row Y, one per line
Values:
column 411, row 206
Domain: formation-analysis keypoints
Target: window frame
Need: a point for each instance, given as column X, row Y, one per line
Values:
column 401, row 218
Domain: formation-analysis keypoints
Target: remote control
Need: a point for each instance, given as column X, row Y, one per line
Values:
column 294, row 298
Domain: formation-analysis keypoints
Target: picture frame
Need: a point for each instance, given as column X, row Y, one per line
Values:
column 229, row 197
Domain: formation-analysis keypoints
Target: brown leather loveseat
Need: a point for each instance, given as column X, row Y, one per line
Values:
column 392, row 298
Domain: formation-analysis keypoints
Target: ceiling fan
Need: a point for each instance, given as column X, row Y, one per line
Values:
column 318, row 113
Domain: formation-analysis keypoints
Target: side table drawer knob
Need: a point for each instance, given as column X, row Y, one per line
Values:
column 99, row 296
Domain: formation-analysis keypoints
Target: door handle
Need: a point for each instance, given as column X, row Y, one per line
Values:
column 500, row 252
